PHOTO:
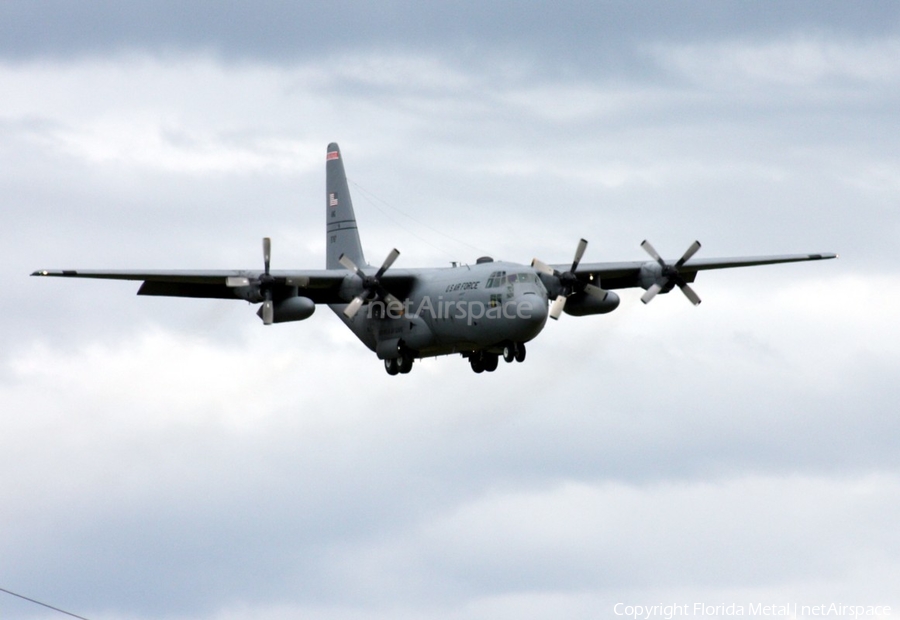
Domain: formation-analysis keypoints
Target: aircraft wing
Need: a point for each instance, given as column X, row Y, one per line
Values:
column 627, row 274
column 321, row 285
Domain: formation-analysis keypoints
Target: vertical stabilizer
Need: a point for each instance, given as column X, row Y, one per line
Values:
column 342, row 236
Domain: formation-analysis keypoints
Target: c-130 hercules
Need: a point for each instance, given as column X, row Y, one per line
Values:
column 483, row 311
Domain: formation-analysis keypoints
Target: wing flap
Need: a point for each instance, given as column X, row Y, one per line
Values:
column 186, row 289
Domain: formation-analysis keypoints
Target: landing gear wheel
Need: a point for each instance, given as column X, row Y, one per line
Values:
column 392, row 367
column 520, row 352
column 509, row 353
column 490, row 362
column 477, row 363
column 405, row 364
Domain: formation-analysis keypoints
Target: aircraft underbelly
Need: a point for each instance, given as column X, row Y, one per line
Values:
column 455, row 333
column 437, row 320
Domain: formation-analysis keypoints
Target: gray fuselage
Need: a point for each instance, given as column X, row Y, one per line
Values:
column 454, row 310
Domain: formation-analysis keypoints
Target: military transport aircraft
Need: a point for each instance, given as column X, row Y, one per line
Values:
column 481, row 311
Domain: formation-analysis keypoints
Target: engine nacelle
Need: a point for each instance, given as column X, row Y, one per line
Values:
column 292, row 309
column 651, row 272
column 582, row 304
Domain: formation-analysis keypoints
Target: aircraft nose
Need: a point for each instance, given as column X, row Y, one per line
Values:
column 531, row 315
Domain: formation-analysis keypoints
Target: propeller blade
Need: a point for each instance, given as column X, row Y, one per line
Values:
column 687, row 255
column 689, row 293
column 372, row 289
column 391, row 257
column 236, row 281
column 349, row 264
column 557, row 307
column 670, row 272
column 268, row 312
column 543, row 267
column 595, row 291
column 652, row 291
column 652, row 252
column 267, row 252
column 579, row 252
column 354, row 306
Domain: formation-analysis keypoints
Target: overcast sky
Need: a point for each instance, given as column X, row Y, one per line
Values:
column 174, row 459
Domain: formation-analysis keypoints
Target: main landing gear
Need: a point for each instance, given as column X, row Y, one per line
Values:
column 400, row 365
column 482, row 361
column 514, row 352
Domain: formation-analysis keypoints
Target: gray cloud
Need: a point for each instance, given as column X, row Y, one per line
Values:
column 165, row 458
column 582, row 35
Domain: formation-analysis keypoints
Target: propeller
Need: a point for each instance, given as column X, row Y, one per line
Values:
column 569, row 283
column 669, row 274
column 372, row 288
column 265, row 283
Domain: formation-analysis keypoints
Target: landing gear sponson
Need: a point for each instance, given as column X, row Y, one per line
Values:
column 481, row 361
column 486, row 361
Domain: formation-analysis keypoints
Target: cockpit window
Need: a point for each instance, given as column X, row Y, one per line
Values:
column 498, row 278
column 521, row 278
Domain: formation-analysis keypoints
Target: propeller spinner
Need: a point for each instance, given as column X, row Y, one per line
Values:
column 265, row 283
column 569, row 283
column 669, row 274
column 372, row 288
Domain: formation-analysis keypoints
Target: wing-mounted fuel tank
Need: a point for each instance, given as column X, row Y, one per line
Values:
column 582, row 304
column 291, row 309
